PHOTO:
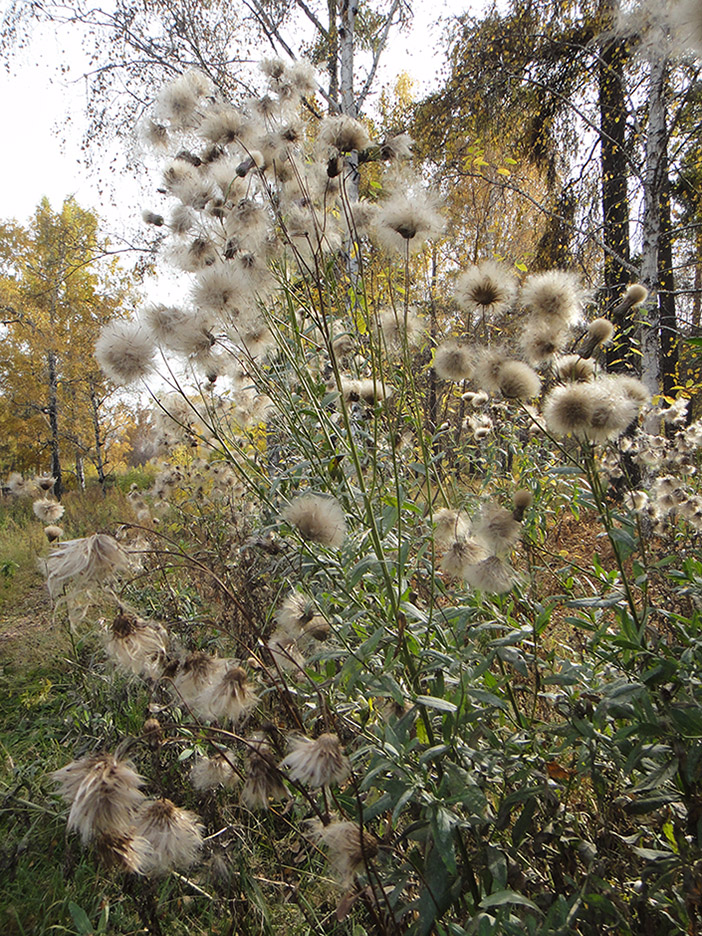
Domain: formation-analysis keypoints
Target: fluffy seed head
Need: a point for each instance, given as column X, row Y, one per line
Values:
column 573, row 367
column 48, row 511
column 567, row 410
column 343, row 134
column 349, row 847
column 210, row 772
column 460, row 555
column 396, row 328
column 522, row 502
column 491, row 575
column 53, row 533
column 92, row 559
column 498, row 529
column 449, row 526
column 230, row 698
column 129, row 852
column 104, row 794
column 317, row 763
column 487, row 287
column 318, row 518
column 556, row 296
column 517, row 381
column 453, row 361
column 125, row 352
column 263, row 781
column 406, row 222
column 137, row 646
column 174, row 834
column 541, row 340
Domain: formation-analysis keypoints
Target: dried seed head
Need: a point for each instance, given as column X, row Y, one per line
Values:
column 522, row 501
column 263, row 781
column 317, row 763
column 453, row 361
column 48, row 511
column 174, row 834
column 104, row 794
column 318, row 518
column 125, row 352
column 556, row 296
column 487, row 287
column 348, row 845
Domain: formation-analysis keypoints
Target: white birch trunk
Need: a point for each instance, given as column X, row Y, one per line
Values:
column 349, row 9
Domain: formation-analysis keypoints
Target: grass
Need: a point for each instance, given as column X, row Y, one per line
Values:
column 58, row 702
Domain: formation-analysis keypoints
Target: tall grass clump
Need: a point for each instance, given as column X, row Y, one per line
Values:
column 415, row 622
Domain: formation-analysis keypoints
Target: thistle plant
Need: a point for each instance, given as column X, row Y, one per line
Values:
column 424, row 689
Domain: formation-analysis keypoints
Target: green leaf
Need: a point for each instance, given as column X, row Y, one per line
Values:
column 80, row 919
column 507, row 897
column 443, row 705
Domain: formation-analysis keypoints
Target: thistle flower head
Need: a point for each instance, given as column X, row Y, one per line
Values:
column 263, row 781
column 318, row 518
column 517, row 381
column 298, row 614
column 230, row 697
column 487, row 287
column 343, row 134
column 317, row 763
column 522, row 502
column 492, row 575
column 125, row 351
column 223, row 124
column 348, row 845
column 103, row 793
column 398, row 146
column 573, row 367
column 597, row 411
column 556, row 296
column 567, row 409
column 449, row 526
column 174, row 834
column 460, row 556
column 48, row 511
column 397, row 327
column 197, row 673
column 302, row 77
column 178, row 101
column 453, row 361
column 208, row 773
column 136, row 645
column 498, row 529
column 405, row 221
column 600, row 331
column 124, row 852
column 541, row 340
column 92, row 559
column 53, row 533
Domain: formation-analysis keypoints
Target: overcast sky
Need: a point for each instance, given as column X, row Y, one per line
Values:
column 42, row 98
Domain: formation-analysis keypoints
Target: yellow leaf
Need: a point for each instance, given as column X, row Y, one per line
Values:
column 503, row 171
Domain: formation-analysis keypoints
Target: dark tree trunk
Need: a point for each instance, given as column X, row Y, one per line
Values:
column 615, row 195
column 53, row 425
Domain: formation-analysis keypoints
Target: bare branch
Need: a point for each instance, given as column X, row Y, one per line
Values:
column 382, row 42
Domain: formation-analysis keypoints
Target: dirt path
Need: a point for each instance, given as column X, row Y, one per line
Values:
column 29, row 637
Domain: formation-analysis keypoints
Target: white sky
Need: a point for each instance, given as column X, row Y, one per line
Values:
column 42, row 98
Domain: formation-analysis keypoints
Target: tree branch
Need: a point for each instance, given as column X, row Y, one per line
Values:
column 376, row 55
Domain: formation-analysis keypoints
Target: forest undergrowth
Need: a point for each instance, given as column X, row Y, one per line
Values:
column 405, row 635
